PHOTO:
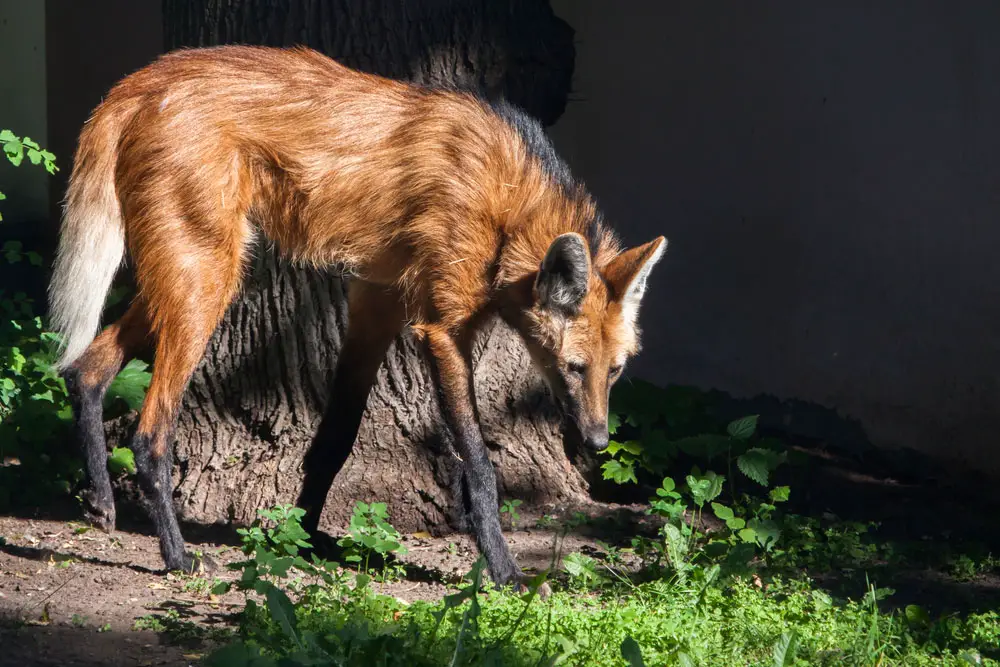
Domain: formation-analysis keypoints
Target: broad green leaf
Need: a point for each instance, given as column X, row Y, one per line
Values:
column 14, row 152
column 822, row 600
column 706, row 488
column 767, row 532
column 632, row 653
column 122, row 459
column 722, row 512
column 282, row 612
column 31, row 143
column 7, row 135
column 613, row 423
column 131, row 384
column 757, row 463
column 916, row 615
column 785, row 649
column 779, row 494
column 614, row 470
column 743, row 428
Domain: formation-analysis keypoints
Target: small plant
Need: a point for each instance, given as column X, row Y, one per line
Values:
column 583, row 571
column 15, row 148
column 198, row 586
column 151, row 622
column 78, row 621
column 371, row 533
column 509, row 508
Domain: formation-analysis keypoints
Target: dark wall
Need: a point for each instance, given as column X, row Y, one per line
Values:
column 828, row 174
column 90, row 46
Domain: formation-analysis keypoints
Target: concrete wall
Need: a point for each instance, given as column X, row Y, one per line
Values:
column 22, row 107
column 828, row 175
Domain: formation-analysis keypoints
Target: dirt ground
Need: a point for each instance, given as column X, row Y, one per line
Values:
column 71, row 596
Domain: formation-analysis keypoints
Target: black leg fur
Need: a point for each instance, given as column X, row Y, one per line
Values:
column 157, row 485
column 479, row 482
column 87, row 403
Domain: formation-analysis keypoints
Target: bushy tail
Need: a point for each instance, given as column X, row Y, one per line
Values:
column 91, row 242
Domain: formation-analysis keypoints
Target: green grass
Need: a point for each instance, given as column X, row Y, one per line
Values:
column 701, row 618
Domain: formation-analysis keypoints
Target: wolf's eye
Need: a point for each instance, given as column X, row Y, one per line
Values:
column 577, row 367
column 614, row 370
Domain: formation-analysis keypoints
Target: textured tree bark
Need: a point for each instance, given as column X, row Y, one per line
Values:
column 256, row 402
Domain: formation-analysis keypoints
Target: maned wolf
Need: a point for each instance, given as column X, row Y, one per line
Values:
column 446, row 208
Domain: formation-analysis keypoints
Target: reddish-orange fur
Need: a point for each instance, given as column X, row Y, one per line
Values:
column 425, row 196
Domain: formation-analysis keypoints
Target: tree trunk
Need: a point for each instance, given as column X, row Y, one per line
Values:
column 256, row 403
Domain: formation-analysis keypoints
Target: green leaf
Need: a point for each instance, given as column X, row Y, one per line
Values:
column 632, row 653
column 614, row 470
column 684, row 660
column 122, row 459
column 748, row 535
column 916, row 615
column 7, row 135
column 282, row 612
column 131, row 384
column 14, row 152
column 34, row 156
column 666, row 490
column 779, row 494
column 822, row 600
column 706, row 488
column 785, row 649
column 723, row 512
column 613, row 423
column 757, row 463
column 766, row 532
column 743, row 428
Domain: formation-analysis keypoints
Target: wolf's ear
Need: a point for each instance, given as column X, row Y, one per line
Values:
column 627, row 274
column 564, row 275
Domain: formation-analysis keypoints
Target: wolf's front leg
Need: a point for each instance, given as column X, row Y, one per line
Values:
column 451, row 361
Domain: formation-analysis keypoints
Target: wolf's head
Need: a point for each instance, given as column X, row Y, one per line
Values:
column 582, row 326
